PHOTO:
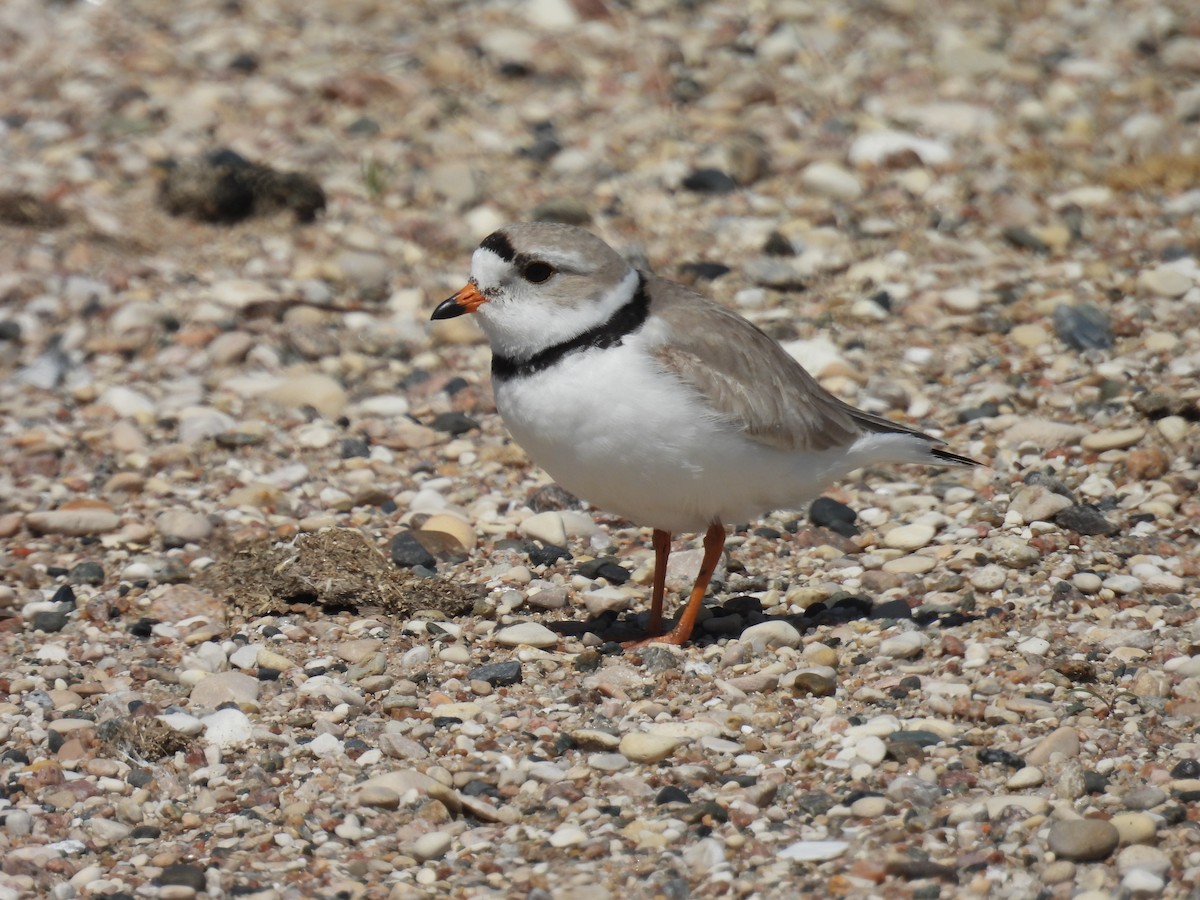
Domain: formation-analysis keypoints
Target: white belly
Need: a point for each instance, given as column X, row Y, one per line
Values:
column 614, row 429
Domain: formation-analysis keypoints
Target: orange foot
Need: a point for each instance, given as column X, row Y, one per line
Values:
column 677, row 636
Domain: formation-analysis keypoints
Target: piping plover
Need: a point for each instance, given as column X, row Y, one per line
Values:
column 656, row 403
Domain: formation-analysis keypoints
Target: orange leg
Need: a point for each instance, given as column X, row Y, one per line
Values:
column 714, row 543
column 662, row 550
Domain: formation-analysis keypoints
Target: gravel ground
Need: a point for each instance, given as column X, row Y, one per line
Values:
column 284, row 614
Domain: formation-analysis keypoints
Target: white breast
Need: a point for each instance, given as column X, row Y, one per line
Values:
column 615, row 429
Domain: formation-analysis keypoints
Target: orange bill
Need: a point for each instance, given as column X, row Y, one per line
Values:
column 466, row 300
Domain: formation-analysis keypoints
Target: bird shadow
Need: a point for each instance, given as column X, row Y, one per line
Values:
column 731, row 618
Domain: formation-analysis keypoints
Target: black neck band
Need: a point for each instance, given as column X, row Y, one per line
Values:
column 624, row 321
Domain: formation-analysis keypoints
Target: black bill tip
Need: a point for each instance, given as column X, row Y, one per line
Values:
column 448, row 309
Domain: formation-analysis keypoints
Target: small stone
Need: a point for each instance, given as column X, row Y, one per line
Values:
column 813, row 851
column 1123, row 584
column 50, row 620
column 1083, row 518
column 185, row 875
column 1139, row 883
column 828, row 179
column 989, row 578
column 1147, row 463
column 1146, row 858
column 182, row 526
column 227, row 728
column 771, row 635
column 607, row 762
column 709, row 181
column 1062, row 742
column 530, row 633
column 1165, row 282
column 408, row 552
column 825, row 512
column 79, row 521
column 816, row 684
column 1113, row 439
column 1034, row 646
column 1025, row 778
column 498, row 674
column 1014, row 552
column 1135, row 827
column 547, row 527
column 909, row 537
column 904, row 646
column 1037, row 503
column 648, row 748
column 225, row 687
column 458, row 529
column 432, row 845
column 87, row 572
column 568, row 836
column 1145, row 798
column 1087, row 582
column 870, row 807
column 310, row 389
column 378, row 796
column 1029, row 336
column 1083, row 327
column 1083, row 840
column 962, row 299
column 266, row 658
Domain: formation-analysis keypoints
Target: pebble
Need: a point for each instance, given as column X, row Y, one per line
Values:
column 78, row 521
column 1164, row 282
column 813, row 851
column 181, row 526
column 310, row 389
column 831, row 180
column 909, row 537
column 1014, row 552
column 1037, row 503
column 227, row 728
column 1135, row 827
column 1025, row 778
column 568, row 836
column 530, row 633
column 1141, row 883
column 905, row 645
column 498, row 674
column 547, row 527
column 771, row 635
column 225, row 687
column 1061, row 743
column 1113, row 439
column 1083, row 840
column 1084, row 518
column 643, row 747
column 1083, row 327
column 1087, row 582
column 989, row 578
column 431, row 845
column 1146, row 858
column 1029, row 336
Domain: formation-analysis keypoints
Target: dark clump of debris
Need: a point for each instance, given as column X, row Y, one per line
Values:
column 225, row 187
column 340, row 568
column 26, row 210
column 143, row 737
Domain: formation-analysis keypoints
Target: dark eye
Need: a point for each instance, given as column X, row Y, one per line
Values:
column 537, row 272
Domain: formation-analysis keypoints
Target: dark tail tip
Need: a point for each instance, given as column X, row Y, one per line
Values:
column 953, row 459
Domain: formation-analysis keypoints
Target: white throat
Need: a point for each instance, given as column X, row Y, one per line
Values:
column 517, row 327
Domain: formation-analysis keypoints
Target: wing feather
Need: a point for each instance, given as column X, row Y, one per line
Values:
column 749, row 380
column 746, row 376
